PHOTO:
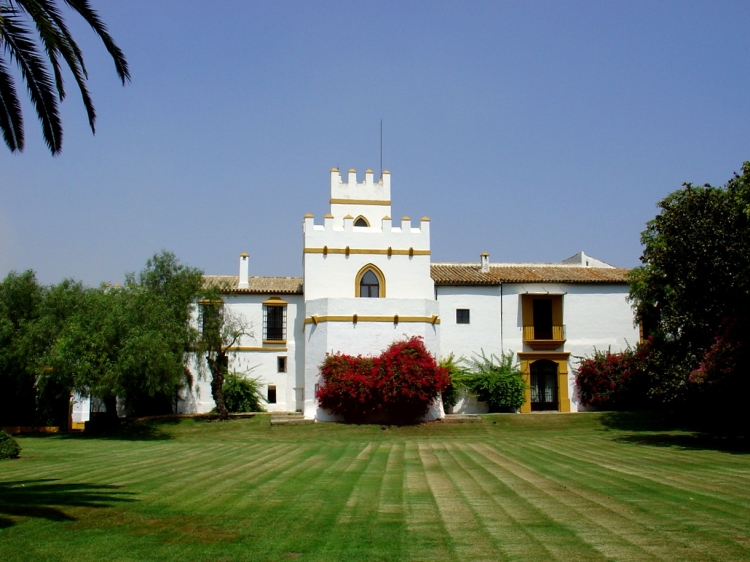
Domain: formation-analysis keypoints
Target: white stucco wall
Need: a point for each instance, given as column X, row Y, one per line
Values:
column 483, row 330
column 257, row 360
column 595, row 316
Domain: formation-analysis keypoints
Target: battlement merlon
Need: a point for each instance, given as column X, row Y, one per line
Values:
column 369, row 190
column 382, row 234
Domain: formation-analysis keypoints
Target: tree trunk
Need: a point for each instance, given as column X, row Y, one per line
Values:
column 218, row 369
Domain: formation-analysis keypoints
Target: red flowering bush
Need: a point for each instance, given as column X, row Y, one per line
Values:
column 615, row 381
column 402, row 383
column 722, row 374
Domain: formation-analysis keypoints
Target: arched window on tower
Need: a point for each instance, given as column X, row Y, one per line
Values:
column 370, row 283
column 361, row 221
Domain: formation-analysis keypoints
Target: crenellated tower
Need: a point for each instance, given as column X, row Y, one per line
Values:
column 367, row 280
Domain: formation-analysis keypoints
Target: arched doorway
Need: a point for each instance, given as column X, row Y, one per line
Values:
column 544, row 392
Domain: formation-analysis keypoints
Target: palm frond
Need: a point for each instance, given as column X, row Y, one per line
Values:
column 56, row 38
column 83, row 7
column 11, row 118
column 41, row 88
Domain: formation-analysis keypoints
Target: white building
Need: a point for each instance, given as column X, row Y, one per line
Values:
column 368, row 282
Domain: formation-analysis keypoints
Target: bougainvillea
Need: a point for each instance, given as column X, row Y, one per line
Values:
column 615, row 381
column 721, row 374
column 401, row 383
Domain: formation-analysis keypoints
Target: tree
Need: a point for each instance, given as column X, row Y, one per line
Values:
column 221, row 332
column 132, row 342
column 20, row 303
column 695, row 278
column 42, row 72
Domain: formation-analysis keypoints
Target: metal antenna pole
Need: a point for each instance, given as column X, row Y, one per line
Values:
column 381, row 148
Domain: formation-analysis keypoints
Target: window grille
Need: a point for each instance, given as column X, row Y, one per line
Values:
column 274, row 323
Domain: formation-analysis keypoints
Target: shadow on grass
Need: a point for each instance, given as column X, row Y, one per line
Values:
column 680, row 429
column 695, row 441
column 45, row 498
column 132, row 431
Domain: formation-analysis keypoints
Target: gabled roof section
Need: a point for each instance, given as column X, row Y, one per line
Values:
column 257, row 285
column 471, row 274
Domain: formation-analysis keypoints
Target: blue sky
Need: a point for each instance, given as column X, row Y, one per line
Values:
column 531, row 130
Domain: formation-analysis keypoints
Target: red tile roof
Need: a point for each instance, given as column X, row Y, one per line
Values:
column 471, row 274
column 276, row 285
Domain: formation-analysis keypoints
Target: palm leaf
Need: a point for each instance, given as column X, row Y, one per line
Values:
column 56, row 38
column 11, row 119
column 92, row 18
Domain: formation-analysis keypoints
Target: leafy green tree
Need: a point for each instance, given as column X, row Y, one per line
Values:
column 21, row 299
column 40, row 55
column 222, row 331
column 695, row 278
column 130, row 342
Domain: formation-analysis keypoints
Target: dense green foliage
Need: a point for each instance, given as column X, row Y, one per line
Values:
column 497, row 381
column 9, row 447
column 494, row 380
column 400, row 384
column 129, row 342
column 242, row 394
column 693, row 290
column 38, row 57
column 457, row 375
column 585, row 487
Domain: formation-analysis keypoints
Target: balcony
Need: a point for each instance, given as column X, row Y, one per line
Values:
column 544, row 338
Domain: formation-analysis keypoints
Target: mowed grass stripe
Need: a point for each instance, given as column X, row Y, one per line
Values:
column 206, row 477
column 641, row 459
column 468, row 539
column 523, row 531
column 358, row 528
column 586, row 513
column 710, row 487
column 519, row 531
column 321, row 494
column 690, row 468
column 688, row 502
column 607, row 488
column 427, row 535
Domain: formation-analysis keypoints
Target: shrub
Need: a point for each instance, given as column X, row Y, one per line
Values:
column 615, row 381
column 9, row 448
column 721, row 378
column 402, row 382
column 497, row 381
column 242, row 394
column 457, row 375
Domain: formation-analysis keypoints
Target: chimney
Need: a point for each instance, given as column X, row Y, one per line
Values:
column 244, row 267
column 484, row 260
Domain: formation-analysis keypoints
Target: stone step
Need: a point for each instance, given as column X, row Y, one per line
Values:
column 462, row 418
column 290, row 420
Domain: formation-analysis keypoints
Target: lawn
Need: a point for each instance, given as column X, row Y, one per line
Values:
column 515, row 487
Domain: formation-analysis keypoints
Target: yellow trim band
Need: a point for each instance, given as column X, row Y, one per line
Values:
column 395, row 319
column 358, row 202
column 375, row 251
column 246, row 348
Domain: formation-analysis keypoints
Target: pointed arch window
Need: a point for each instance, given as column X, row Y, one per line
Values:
column 370, row 283
column 361, row 221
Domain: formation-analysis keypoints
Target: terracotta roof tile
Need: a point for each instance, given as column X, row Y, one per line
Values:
column 470, row 274
column 278, row 285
